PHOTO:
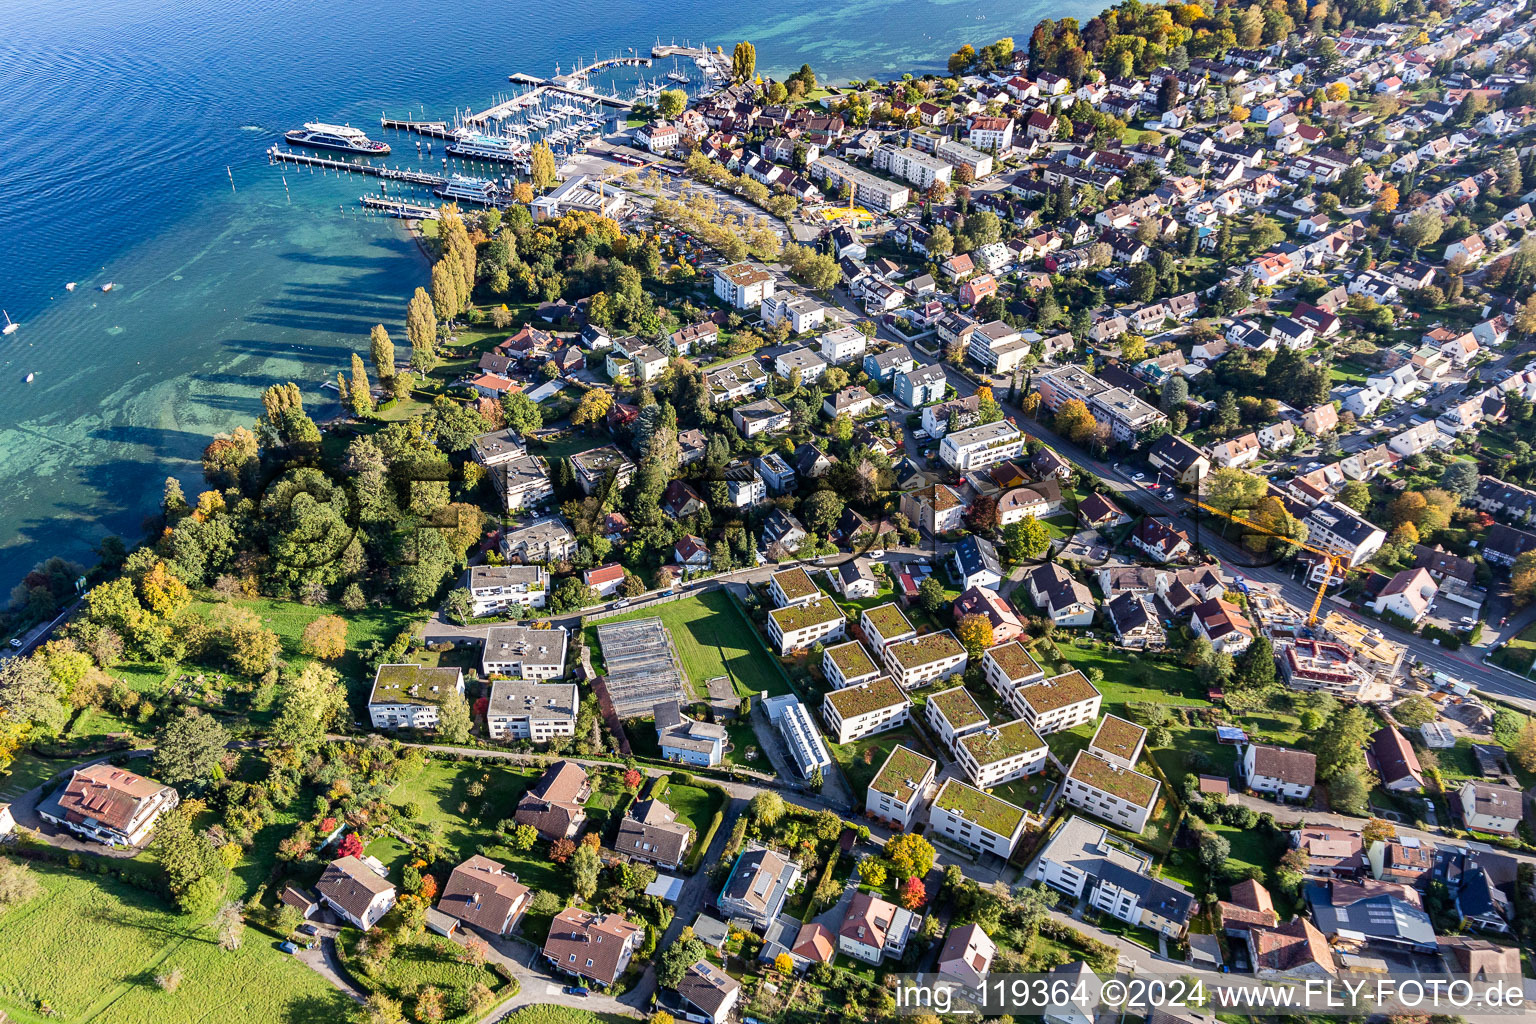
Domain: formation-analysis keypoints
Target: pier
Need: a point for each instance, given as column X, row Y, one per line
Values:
column 400, row 208
column 543, row 85
column 406, row 175
column 436, row 129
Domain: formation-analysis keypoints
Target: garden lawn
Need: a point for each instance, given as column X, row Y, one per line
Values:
column 861, row 759
column 564, row 447
column 89, row 949
column 1132, row 677
column 713, row 639
column 430, row 960
column 694, row 805
column 288, row 619
column 442, row 787
column 27, row 772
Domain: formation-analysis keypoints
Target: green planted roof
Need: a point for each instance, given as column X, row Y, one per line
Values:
column 800, row 616
column 996, row 815
column 888, row 620
column 998, row 743
column 924, row 650
column 959, row 707
column 902, row 773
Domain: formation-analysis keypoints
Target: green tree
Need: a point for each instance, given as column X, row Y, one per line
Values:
column 1214, row 850
column 584, row 869
column 308, row 706
column 910, row 855
column 1341, row 746
column 454, row 720
column 421, row 325
column 1026, row 538
column 1414, row 712
column 743, row 61
column 459, row 607
column 359, row 392
column 766, row 808
column 676, row 959
column 671, row 102
column 188, row 747
column 1421, row 228
column 1356, row 494
column 930, row 594
column 523, row 415
column 822, row 510
column 382, row 351
column 541, row 167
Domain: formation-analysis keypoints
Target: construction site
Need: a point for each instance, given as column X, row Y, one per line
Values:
column 643, row 667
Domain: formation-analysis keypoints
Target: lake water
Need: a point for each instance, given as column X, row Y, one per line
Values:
column 133, row 149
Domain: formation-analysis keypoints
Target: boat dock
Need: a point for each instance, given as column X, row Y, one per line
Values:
column 436, row 129
column 400, row 208
column 406, row 175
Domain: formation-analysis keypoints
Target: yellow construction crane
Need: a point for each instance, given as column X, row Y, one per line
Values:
column 1336, row 560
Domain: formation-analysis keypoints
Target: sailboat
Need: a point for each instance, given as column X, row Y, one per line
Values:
column 70, row 286
column 11, row 326
column 108, row 286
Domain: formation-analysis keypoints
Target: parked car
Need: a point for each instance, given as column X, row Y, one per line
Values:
column 15, row 641
column 288, row 947
column 575, row 990
column 309, row 929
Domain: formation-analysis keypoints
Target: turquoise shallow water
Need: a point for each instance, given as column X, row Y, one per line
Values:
column 122, row 125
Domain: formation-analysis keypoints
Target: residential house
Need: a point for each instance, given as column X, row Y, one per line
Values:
column 1060, row 595
column 103, row 803
column 356, row 891
column 651, row 832
column 758, row 885
column 1289, row 774
column 593, row 947
column 688, row 740
column 874, row 929
column 1489, row 808
column 480, row 893
column 553, row 805
column 1408, row 594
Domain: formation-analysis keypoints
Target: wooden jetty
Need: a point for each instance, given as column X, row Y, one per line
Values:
column 376, row 170
column 400, row 208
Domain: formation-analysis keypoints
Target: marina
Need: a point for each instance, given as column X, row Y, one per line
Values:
column 566, row 112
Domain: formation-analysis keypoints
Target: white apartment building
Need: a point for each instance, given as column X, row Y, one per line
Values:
column 877, row 193
column 846, row 664
column 1060, row 702
column 411, row 696
column 1083, row 859
column 981, row 446
column 799, row 626
column 1121, row 796
column 792, row 587
column 864, row 709
column 953, row 713
column 496, row 588
column 912, row 165
column 924, row 659
column 1008, row 666
column 522, row 652
column 996, row 754
column 520, row 710
column 896, row 791
column 979, row 820
column 843, row 344
column 884, row 625
column 802, row 313
column 1118, row 741
column 744, row 285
